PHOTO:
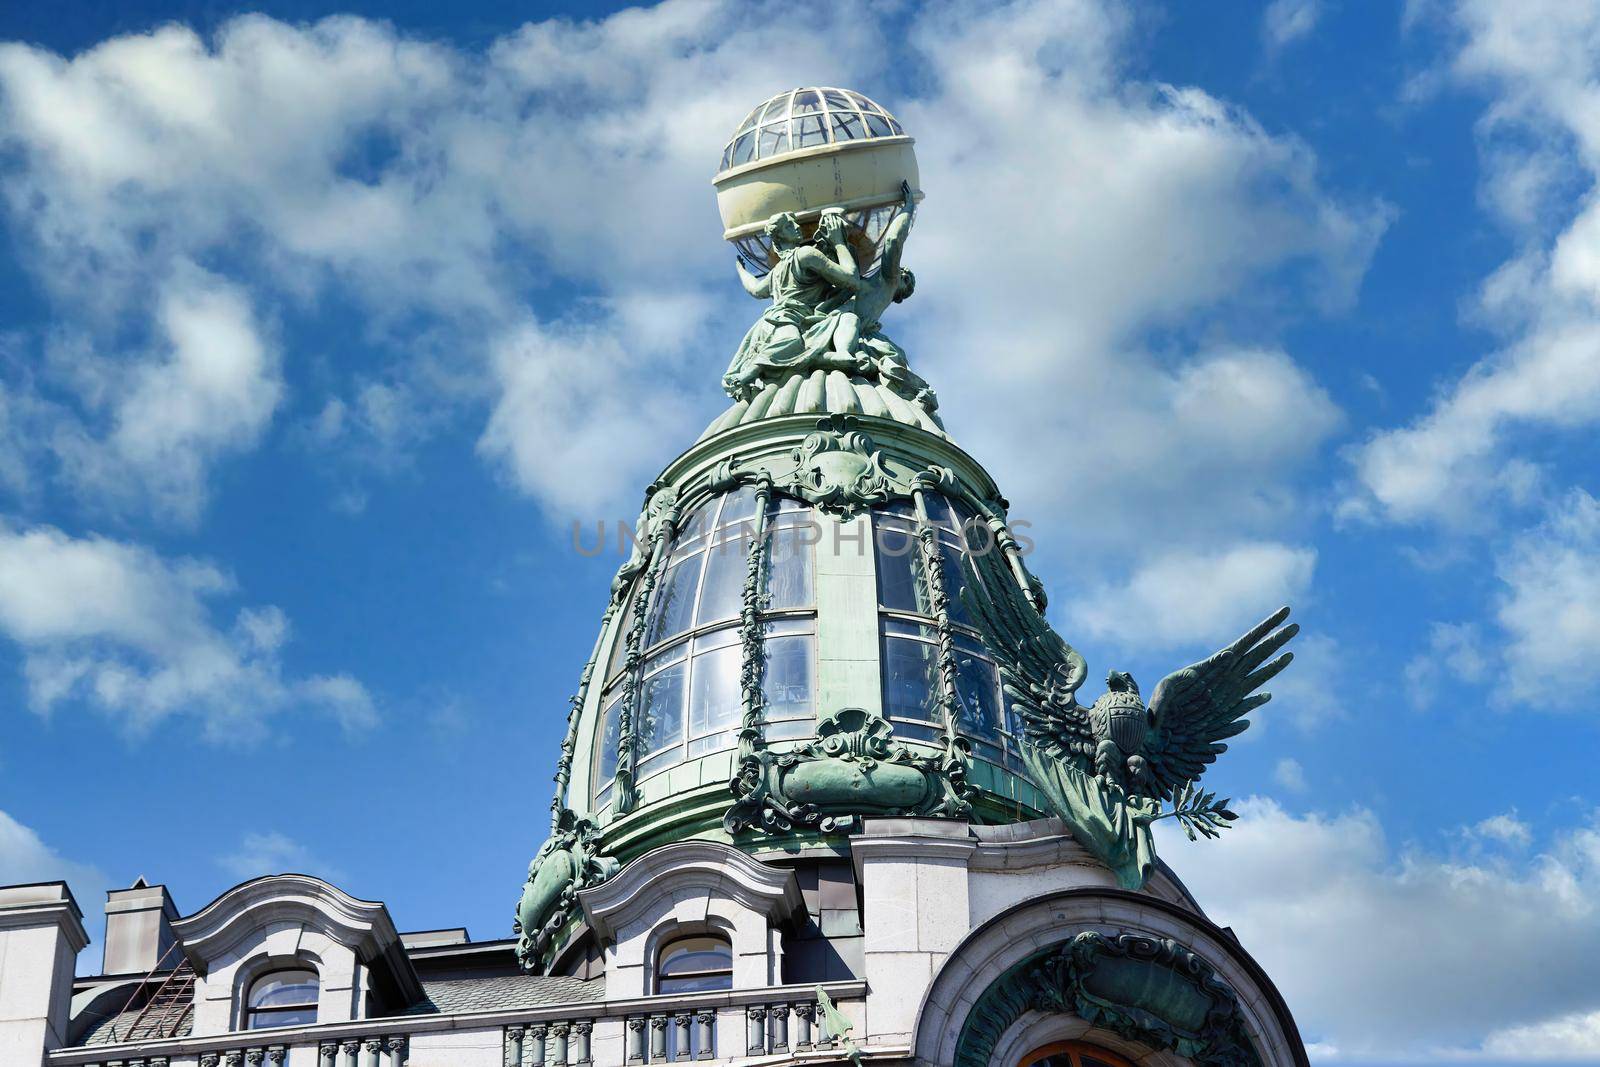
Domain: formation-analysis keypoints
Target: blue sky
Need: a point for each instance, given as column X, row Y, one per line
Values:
column 319, row 327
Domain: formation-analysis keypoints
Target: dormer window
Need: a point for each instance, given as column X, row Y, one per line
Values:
column 282, row 998
column 694, row 965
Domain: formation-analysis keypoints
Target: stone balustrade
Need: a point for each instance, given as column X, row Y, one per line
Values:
column 701, row 1027
column 381, row 1051
column 682, row 1028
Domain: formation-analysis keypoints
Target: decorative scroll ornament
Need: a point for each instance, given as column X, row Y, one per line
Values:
column 566, row 864
column 837, row 468
column 1149, row 990
column 855, row 767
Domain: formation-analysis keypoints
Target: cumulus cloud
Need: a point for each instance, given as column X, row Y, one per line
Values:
column 1183, row 598
column 444, row 189
column 1389, row 954
column 1460, row 460
column 136, row 636
column 1550, row 608
column 272, row 852
column 1545, row 641
column 209, row 390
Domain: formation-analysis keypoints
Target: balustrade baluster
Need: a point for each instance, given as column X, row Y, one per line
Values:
column 804, row 1014
column 635, row 1038
column 396, row 1048
column 705, row 1034
column 558, row 1045
column 580, row 1044
column 658, row 1039
column 756, row 1030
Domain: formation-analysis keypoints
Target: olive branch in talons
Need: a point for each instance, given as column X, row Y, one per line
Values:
column 1200, row 813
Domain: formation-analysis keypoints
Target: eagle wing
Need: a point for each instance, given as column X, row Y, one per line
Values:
column 1039, row 670
column 1197, row 708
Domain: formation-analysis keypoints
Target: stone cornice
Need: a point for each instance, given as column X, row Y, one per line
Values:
column 43, row 904
column 694, row 865
column 364, row 926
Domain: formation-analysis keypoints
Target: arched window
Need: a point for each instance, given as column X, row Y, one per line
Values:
column 1072, row 1054
column 694, row 964
column 911, row 684
column 282, row 998
column 687, row 702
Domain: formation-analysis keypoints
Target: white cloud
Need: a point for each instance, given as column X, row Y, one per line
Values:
column 1183, row 598
column 566, row 432
column 24, row 858
column 1541, row 133
column 1286, row 21
column 210, row 391
column 274, row 853
column 1546, row 648
column 435, row 185
column 1388, row 955
column 1550, row 609
column 133, row 635
column 1289, row 774
column 1505, row 828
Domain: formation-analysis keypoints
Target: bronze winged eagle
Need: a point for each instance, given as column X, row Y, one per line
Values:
column 1114, row 766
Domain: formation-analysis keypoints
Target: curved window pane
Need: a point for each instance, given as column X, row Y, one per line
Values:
column 610, row 729
column 910, row 679
column 744, row 147
column 661, row 708
column 876, row 124
column 723, row 594
column 789, row 566
column 738, row 506
column 774, row 139
column 672, row 607
column 787, row 681
column 836, row 100
column 954, row 581
column 809, row 131
column 846, row 126
column 900, row 585
column 715, row 704
column 979, row 685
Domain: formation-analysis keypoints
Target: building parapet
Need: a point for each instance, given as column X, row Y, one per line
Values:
column 712, row 1026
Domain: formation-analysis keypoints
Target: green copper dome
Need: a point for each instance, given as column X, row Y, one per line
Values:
column 826, row 616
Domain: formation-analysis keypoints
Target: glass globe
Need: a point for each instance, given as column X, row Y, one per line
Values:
column 807, row 150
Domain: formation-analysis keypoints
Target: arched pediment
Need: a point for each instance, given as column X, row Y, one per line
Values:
column 1126, row 963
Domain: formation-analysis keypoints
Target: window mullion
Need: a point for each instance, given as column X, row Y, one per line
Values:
column 752, row 670
column 956, row 748
column 627, row 728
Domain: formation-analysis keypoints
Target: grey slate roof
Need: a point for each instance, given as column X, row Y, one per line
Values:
column 100, row 1033
column 504, row 992
column 447, row 996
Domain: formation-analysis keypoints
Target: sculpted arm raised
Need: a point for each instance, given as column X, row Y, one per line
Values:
column 760, row 288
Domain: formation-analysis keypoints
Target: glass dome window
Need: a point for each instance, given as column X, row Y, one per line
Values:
column 909, row 634
column 688, row 700
column 804, row 118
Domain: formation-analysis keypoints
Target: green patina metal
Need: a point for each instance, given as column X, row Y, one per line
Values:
column 1149, row 990
column 827, row 412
